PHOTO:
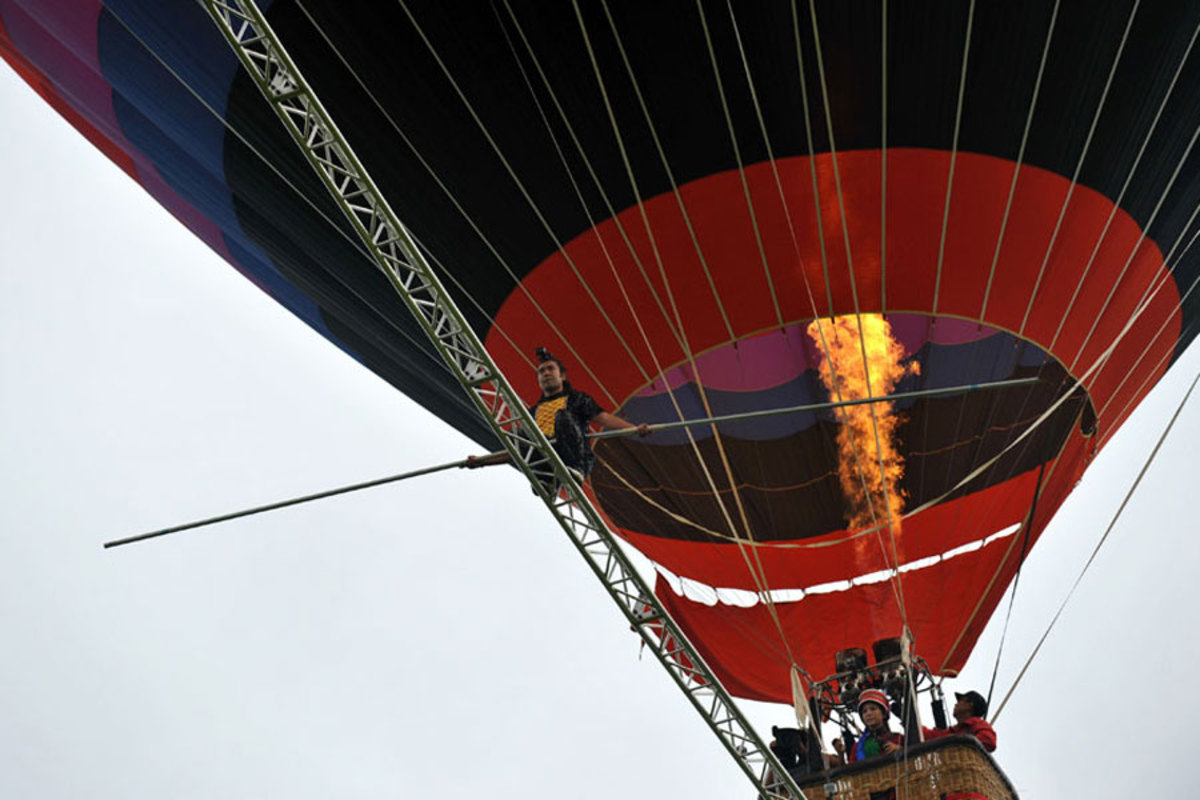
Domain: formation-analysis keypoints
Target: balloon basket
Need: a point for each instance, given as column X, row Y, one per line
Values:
column 952, row 768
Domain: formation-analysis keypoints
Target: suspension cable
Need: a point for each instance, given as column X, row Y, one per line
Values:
column 1012, row 598
column 1096, row 550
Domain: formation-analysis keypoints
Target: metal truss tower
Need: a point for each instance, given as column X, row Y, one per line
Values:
column 264, row 58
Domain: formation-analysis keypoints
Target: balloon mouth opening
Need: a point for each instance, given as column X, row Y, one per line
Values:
column 700, row 592
column 658, row 486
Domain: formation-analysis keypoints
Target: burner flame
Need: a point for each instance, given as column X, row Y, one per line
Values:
column 863, row 360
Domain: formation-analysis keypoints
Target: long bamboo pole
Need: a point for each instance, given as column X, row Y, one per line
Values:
column 771, row 412
column 141, row 537
column 662, row 426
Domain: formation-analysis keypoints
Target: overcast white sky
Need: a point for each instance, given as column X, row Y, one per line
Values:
column 435, row 638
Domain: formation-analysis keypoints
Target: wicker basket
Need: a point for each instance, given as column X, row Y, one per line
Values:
column 953, row 768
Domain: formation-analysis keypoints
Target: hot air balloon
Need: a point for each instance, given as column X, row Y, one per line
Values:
column 718, row 210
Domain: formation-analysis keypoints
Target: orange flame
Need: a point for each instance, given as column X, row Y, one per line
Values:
column 865, row 441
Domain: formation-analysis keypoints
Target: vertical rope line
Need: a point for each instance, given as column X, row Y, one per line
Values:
column 758, row 236
column 737, row 155
column 1164, row 274
column 567, row 168
column 662, row 156
column 974, row 451
column 1028, row 394
column 1125, row 187
column 883, row 154
column 1162, row 327
column 762, row 125
column 1145, row 228
column 635, row 86
column 1012, row 189
column 759, row 579
column 962, row 85
column 1087, row 143
column 652, row 348
column 612, row 212
column 824, row 345
column 897, row 580
column 783, row 200
column 649, row 346
column 757, row 569
column 1133, row 254
column 466, row 216
column 812, row 164
column 520, row 186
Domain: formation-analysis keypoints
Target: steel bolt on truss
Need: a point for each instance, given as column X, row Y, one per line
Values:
column 260, row 52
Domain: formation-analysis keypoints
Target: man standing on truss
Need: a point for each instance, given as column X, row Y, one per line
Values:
column 563, row 414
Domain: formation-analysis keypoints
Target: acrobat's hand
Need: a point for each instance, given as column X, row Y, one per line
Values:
column 643, row 430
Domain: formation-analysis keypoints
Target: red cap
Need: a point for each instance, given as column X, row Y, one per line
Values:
column 874, row 696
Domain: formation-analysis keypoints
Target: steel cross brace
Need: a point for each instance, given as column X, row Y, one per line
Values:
column 264, row 58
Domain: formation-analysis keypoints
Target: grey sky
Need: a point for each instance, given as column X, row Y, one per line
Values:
column 435, row 638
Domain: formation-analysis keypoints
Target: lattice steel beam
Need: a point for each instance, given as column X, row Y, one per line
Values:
column 264, row 58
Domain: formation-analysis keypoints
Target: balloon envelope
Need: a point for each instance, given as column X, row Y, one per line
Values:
column 666, row 196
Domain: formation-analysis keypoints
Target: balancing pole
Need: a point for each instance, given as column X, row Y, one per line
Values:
column 284, row 504
column 601, row 435
column 772, row 412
